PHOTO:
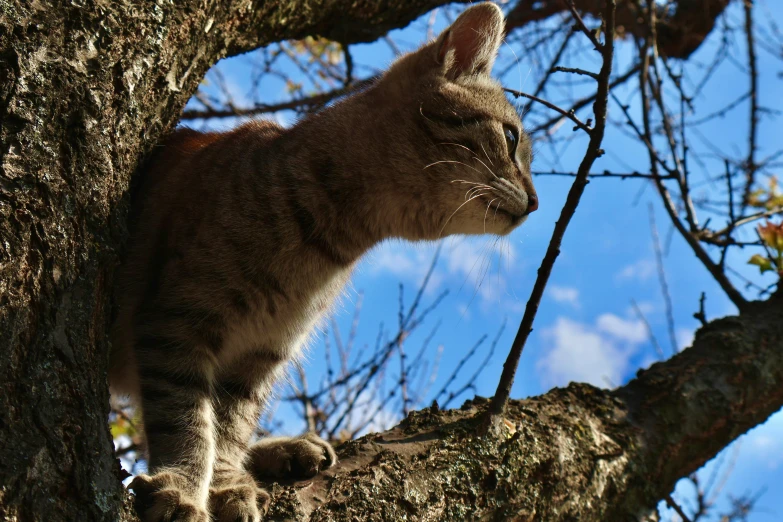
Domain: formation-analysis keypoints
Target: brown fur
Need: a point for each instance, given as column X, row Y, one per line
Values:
column 243, row 240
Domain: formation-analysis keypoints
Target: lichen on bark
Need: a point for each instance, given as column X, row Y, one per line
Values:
column 86, row 89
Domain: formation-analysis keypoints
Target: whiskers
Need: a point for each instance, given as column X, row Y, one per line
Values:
column 475, row 157
column 479, row 269
column 494, row 192
column 476, row 189
column 478, row 195
column 476, row 186
column 451, row 161
column 487, row 212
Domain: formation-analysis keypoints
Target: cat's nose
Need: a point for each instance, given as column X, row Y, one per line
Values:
column 532, row 202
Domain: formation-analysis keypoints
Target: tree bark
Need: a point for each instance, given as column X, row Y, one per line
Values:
column 681, row 28
column 579, row 453
column 86, row 88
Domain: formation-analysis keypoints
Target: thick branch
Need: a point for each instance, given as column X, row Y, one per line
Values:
column 680, row 30
column 578, row 453
column 592, row 153
column 87, row 89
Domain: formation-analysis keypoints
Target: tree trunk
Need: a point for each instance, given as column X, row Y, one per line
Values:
column 87, row 87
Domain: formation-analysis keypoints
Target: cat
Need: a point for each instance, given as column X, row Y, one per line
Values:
column 243, row 239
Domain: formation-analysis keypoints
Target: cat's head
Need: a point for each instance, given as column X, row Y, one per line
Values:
column 457, row 133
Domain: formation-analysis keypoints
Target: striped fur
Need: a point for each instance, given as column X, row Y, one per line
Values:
column 242, row 240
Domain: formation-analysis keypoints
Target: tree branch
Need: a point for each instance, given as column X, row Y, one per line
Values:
column 680, row 31
column 592, row 153
column 88, row 89
column 578, row 453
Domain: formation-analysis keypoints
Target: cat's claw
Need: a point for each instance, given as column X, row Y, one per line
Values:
column 239, row 503
column 291, row 457
column 161, row 498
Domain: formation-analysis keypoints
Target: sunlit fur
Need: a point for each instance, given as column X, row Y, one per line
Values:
column 242, row 240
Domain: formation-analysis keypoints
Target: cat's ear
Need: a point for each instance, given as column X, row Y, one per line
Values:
column 471, row 44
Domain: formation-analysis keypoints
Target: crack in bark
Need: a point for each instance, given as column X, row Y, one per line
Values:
column 578, row 453
column 100, row 68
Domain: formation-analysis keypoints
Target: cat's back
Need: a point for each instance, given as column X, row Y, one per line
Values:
column 186, row 197
column 188, row 157
column 186, row 179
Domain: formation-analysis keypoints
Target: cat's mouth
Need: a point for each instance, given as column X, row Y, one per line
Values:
column 499, row 210
column 515, row 218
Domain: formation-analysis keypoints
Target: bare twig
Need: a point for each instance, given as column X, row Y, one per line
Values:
column 582, row 27
column 650, row 334
column 750, row 162
column 593, row 152
column 312, row 101
column 570, row 114
column 667, row 298
column 584, row 102
column 700, row 315
column 718, row 274
column 676, row 507
column 604, row 174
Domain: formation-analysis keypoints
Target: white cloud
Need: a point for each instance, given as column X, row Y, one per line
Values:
column 684, row 338
column 480, row 263
column 641, row 270
column 597, row 354
column 564, row 294
column 622, row 329
column 476, row 265
column 645, row 307
column 764, row 444
column 406, row 262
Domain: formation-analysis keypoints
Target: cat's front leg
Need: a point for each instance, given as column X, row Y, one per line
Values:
column 235, row 497
column 178, row 428
column 166, row 497
column 237, row 399
column 290, row 457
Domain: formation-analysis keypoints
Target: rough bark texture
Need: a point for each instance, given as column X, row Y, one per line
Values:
column 86, row 88
column 682, row 26
column 579, row 453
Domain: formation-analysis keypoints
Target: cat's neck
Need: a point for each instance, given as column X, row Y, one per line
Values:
column 343, row 170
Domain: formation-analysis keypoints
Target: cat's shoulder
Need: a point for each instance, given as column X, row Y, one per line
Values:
column 188, row 141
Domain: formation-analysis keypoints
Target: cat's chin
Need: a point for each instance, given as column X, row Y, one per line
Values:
column 501, row 224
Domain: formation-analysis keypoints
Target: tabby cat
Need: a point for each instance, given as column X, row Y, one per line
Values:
column 243, row 240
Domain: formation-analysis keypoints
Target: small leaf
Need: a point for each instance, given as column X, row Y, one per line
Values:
column 762, row 262
column 772, row 235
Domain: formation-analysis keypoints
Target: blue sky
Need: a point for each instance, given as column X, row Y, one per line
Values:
column 586, row 329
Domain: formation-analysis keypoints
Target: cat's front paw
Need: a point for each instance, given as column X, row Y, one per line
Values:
column 291, row 457
column 162, row 498
column 242, row 501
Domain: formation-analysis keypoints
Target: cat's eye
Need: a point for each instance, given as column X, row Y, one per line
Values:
column 512, row 139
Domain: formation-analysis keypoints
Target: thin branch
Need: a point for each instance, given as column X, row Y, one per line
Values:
column 748, row 219
column 676, row 507
column 718, row 274
column 667, row 298
column 573, row 70
column 750, row 162
column 570, row 114
column 650, row 334
column 620, row 80
column 701, row 316
column 593, row 152
column 581, row 24
column 312, row 101
column 604, row 174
